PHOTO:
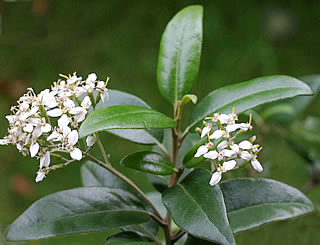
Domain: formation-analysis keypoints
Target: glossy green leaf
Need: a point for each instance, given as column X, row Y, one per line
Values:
column 149, row 162
column 141, row 136
column 247, row 95
column 94, row 175
column 124, row 117
column 179, row 55
column 129, row 238
column 78, row 210
column 251, row 202
column 198, row 208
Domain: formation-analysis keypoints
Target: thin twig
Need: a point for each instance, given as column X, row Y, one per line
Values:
column 109, row 167
column 177, row 236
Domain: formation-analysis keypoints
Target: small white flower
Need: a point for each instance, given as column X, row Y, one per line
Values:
column 76, row 154
column 226, row 166
column 79, row 113
column 224, row 144
column 101, row 88
column 211, row 155
column 254, row 162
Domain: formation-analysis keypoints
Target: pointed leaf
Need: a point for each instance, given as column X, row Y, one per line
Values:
column 150, row 162
column 251, row 202
column 124, row 117
column 141, row 136
column 247, row 95
column 127, row 237
column 199, row 208
column 179, row 56
column 187, row 98
column 78, row 210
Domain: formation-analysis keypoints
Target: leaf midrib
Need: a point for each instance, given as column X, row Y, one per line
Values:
column 194, row 200
column 254, row 94
column 264, row 204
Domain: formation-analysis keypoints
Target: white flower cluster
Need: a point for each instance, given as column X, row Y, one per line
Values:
column 227, row 154
column 47, row 123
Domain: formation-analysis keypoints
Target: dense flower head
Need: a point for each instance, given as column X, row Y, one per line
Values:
column 227, row 152
column 46, row 124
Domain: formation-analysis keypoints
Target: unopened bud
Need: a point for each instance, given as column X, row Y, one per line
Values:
column 198, row 130
column 253, row 139
column 205, row 123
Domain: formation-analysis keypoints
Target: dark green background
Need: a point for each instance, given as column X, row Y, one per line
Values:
column 242, row 40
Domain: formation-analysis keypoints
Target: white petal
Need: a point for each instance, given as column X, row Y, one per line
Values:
column 28, row 128
column 229, row 165
column 76, row 110
column 50, row 101
column 45, row 160
column 256, row 165
column 37, row 131
column 86, row 103
column 228, row 153
column 54, row 136
column 232, row 127
column 92, row 77
column 245, row 155
column 54, row 113
column 3, row 142
column 224, row 118
column 216, row 134
column 104, row 96
column 246, row 145
column 63, row 121
column 222, row 145
column 91, row 140
column 66, row 131
column 46, row 128
column 235, row 148
column 40, row 176
column 76, row 154
column 205, row 131
column 215, row 179
column 201, row 150
column 73, row 137
column 211, row 155
column 34, row 148
column 81, row 116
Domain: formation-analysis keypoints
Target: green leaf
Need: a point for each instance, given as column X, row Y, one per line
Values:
column 158, row 182
column 150, row 162
column 198, row 208
column 94, row 175
column 78, row 210
column 187, row 98
column 247, row 95
column 141, row 136
column 127, row 237
column 179, row 55
column 124, row 117
column 251, row 202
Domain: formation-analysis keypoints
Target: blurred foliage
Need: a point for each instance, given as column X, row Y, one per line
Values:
column 42, row 38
